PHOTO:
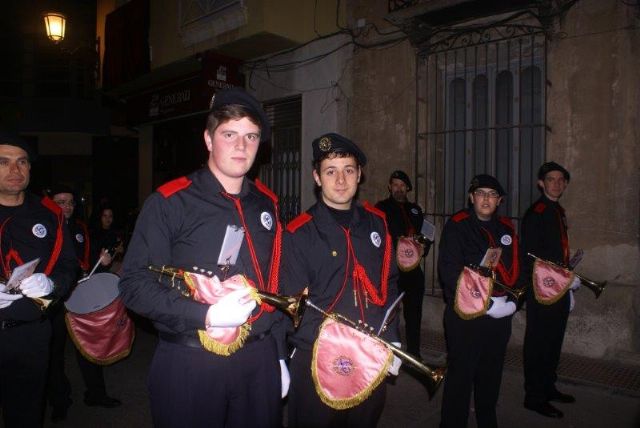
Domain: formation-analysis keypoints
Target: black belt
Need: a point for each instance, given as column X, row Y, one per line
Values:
column 194, row 342
column 7, row 324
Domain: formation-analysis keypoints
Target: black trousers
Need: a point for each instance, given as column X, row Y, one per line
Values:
column 191, row 387
column 475, row 356
column 24, row 357
column 306, row 410
column 412, row 283
column 58, row 385
column 546, row 325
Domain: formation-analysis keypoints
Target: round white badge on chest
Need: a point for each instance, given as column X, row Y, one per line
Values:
column 80, row 238
column 414, row 211
column 506, row 240
column 375, row 239
column 266, row 220
column 39, row 231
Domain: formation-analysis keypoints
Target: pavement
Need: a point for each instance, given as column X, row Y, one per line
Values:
column 601, row 403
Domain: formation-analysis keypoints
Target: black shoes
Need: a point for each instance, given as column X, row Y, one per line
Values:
column 545, row 409
column 104, row 401
column 559, row 397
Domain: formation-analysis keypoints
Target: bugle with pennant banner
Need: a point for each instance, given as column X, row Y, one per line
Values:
column 208, row 289
column 97, row 319
column 409, row 251
column 350, row 361
column 552, row 281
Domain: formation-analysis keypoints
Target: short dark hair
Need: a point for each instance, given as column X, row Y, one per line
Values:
column 333, row 155
column 230, row 112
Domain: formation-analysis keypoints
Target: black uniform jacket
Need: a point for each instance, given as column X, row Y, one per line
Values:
column 403, row 224
column 315, row 256
column 31, row 230
column 183, row 225
column 81, row 242
column 464, row 241
column 544, row 234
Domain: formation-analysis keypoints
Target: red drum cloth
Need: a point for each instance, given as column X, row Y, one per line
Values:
column 472, row 294
column 104, row 336
column 550, row 282
column 408, row 253
column 347, row 365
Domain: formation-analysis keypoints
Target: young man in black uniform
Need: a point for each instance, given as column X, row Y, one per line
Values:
column 59, row 388
column 405, row 219
column 341, row 250
column 183, row 225
column 31, row 228
column 544, row 234
column 476, row 347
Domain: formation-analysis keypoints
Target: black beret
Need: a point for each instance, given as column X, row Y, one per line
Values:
column 487, row 181
column 401, row 175
column 60, row 188
column 336, row 143
column 552, row 166
column 11, row 139
column 241, row 97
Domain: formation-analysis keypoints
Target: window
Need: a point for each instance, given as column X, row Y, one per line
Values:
column 486, row 115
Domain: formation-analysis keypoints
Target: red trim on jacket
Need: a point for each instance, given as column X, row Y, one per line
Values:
column 173, row 186
column 462, row 215
column 299, row 221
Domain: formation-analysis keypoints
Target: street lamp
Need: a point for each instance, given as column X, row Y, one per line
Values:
column 55, row 25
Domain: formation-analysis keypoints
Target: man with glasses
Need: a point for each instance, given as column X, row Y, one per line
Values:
column 31, row 228
column 544, row 234
column 476, row 341
column 59, row 388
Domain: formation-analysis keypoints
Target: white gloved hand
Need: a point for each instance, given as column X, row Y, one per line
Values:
column 285, row 379
column 575, row 284
column 37, row 285
column 572, row 300
column 231, row 311
column 394, row 368
column 501, row 308
column 7, row 299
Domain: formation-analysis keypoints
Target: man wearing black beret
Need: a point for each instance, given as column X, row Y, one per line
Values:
column 220, row 223
column 32, row 228
column 405, row 221
column 476, row 339
column 342, row 252
column 544, row 234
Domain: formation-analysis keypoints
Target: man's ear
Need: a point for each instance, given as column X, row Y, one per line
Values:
column 316, row 177
column 207, row 140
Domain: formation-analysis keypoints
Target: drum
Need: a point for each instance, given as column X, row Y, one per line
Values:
column 97, row 320
column 93, row 293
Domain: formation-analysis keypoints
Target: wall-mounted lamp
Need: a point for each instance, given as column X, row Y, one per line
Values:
column 55, row 25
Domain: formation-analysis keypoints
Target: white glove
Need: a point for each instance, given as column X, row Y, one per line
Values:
column 394, row 369
column 572, row 300
column 501, row 308
column 7, row 299
column 576, row 283
column 285, row 379
column 231, row 311
column 37, row 285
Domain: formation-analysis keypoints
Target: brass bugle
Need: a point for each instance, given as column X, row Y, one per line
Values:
column 516, row 293
column 434, row 375
column 596, row 287
column 291, row 305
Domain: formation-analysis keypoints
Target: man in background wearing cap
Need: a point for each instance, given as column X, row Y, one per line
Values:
column 188, row 224
column 59, row 388
column 405, row 220
column 544, row 234
column 476, row 344
column 341, row 251
column 32, row 228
